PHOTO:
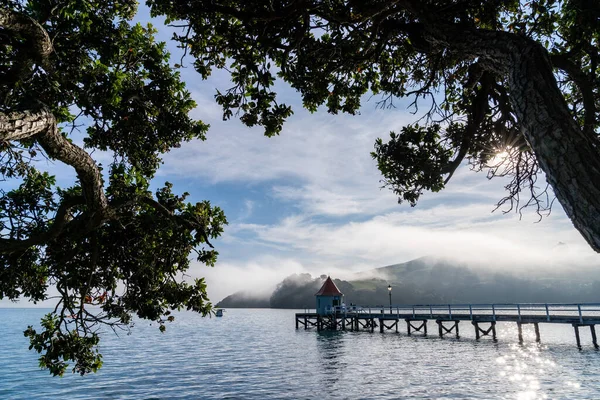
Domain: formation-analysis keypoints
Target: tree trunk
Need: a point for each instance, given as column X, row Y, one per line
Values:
column 569, row 158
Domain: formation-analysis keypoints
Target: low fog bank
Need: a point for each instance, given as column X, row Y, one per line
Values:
column 441, row 280
column 562, row 261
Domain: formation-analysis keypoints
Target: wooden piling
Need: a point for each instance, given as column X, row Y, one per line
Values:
column 593, row 331
column 383, row 326
column 537, row 332
column 576, row 327
column 520, row 328
column 443, row 330
column 481, row 332
column 410, row 326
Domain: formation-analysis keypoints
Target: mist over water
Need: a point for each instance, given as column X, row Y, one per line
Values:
column 258, row 354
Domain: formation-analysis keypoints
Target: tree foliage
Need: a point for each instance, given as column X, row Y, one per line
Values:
column 77, row 76
column 513, row 86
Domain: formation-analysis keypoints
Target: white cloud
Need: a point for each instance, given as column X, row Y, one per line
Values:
column 320, row 162
column 466, row 233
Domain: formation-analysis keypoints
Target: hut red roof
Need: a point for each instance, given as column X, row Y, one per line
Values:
column 329, row 289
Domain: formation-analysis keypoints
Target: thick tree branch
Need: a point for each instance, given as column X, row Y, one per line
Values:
column 562, row 62
column 41, row 126
column 476, row 117
column 41, row 45
column 19, row 125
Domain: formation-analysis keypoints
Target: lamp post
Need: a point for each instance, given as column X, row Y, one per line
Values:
column 390, row 293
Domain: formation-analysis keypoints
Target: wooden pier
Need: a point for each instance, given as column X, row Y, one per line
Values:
column 483, row 317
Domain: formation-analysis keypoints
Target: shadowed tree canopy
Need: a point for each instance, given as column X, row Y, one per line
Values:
column 510, row 86
column 78, row 77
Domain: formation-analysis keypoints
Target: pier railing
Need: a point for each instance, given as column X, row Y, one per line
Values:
column 550, row 311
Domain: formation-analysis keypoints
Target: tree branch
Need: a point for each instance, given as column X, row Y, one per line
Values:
column 41, row 126
column 61, row 220
column 191, row 225
column 41, row 45
column 562, row 62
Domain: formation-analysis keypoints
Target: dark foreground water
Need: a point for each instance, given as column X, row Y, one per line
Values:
column 258, row 354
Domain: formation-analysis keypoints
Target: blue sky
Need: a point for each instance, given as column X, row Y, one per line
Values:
column 310, row 200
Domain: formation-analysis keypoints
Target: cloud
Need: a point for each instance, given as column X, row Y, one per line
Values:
column 464, row 233
column 248, row 209
column 320, row 163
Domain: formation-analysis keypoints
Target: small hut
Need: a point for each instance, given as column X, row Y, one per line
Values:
column 328, row 297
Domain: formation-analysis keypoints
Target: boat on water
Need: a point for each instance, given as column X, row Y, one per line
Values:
column 219, row 312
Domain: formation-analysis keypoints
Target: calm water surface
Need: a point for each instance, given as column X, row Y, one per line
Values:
column 258, row 354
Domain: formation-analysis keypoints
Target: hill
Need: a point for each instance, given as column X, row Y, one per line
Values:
column 431, row 281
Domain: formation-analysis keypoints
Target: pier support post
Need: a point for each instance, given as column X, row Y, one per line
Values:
column 296, row 322
column 443, row 330
column 576, row 327
column 485, row 332
column 537, row 331
column 593, row 331
column 520, row 328
column 383, row 325
column 305, row 322
column 416, row 328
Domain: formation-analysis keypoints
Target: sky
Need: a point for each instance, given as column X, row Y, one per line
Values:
column 310, row 200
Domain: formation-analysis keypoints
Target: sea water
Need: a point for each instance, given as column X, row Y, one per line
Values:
column 258, row 354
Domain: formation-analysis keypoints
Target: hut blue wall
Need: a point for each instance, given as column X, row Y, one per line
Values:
column 325, row 304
